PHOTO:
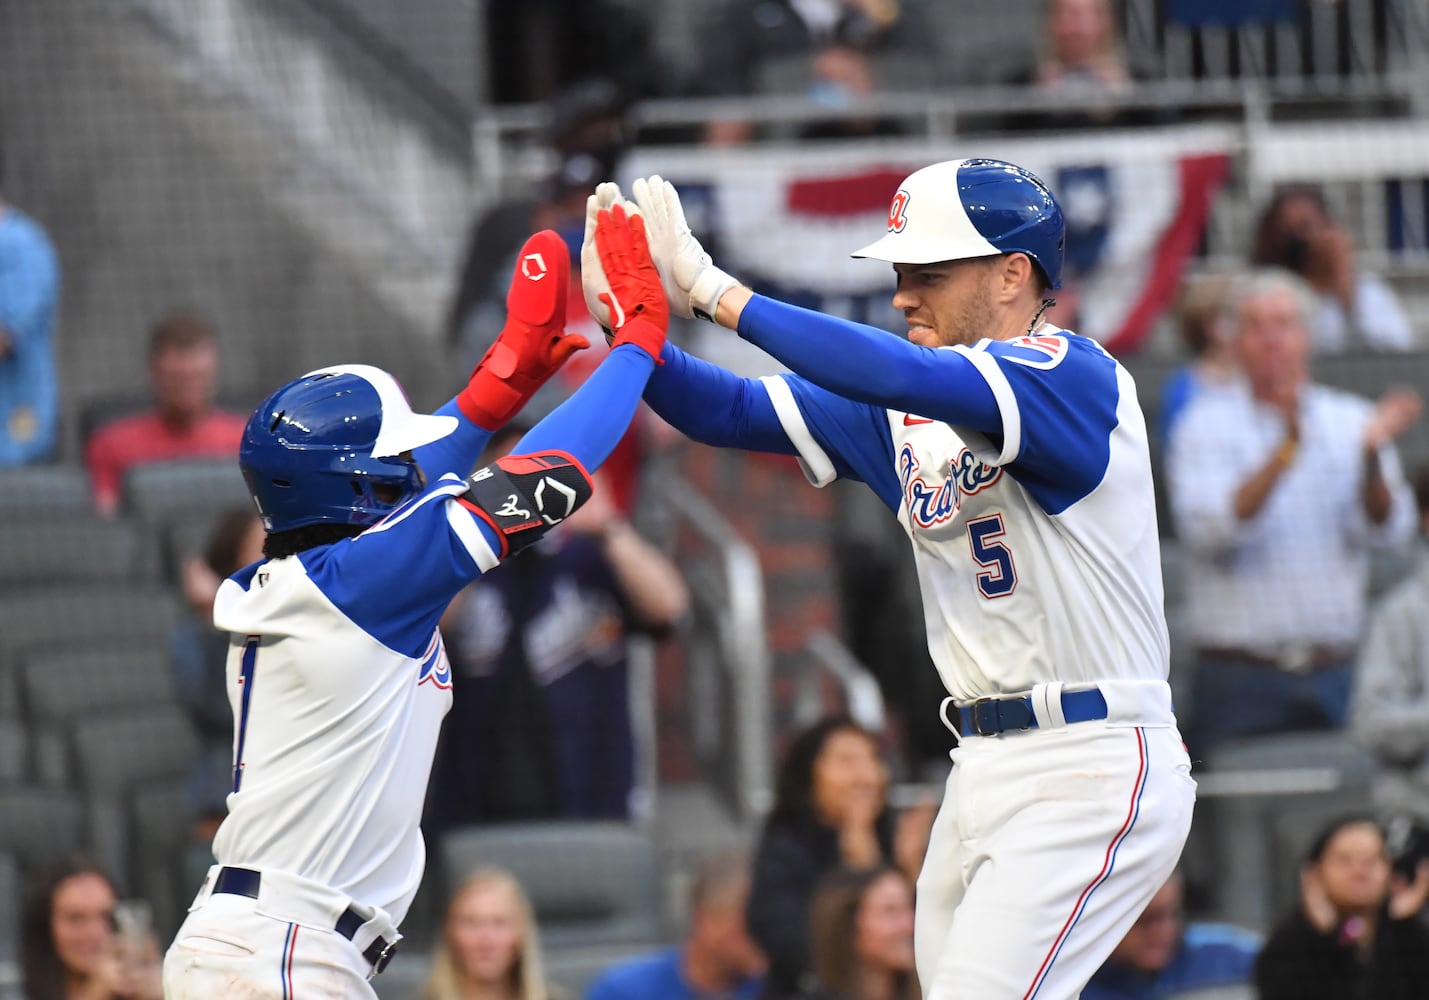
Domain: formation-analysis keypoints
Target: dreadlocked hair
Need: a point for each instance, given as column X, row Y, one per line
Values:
column 279, row 544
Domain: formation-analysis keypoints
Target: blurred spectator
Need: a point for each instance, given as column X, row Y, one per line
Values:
column 588, row 134
column 489, row 947
column 1208, row 331
column 1356, row 310
column 1356, row 932
column 78, row 943
column 540, row 722
column 830, row 811
column 184, row 423
column 717, row 961
column 1391, row 704
column 1162, row 958
column 29, row 293
column 862, row 934
column 198, row 657
column 543, row 46
column 835, row 51
column 1279, row 488
column 1083, row 58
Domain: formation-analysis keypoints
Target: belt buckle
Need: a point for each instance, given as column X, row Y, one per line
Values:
column 976, row 716
column 382, row 959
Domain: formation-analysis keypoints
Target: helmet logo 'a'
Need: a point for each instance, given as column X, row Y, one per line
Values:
column 533, row 266
column 898, row 212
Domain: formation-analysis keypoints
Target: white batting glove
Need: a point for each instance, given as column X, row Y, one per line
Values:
column 692, row 282
column 593, row 281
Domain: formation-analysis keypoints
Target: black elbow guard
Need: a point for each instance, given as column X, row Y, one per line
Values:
column 524, row 496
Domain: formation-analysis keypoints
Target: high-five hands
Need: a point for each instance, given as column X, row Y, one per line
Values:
column 634, row 301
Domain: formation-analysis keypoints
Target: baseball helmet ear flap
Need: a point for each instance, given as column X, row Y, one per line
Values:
column 329, row 448
column 961, row 209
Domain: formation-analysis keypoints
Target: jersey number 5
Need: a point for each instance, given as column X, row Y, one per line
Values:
column 1000, row 576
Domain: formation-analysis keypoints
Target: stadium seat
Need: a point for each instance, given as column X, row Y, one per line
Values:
column 161, row 820
column 44, row 489
column 39, row 826
column 70, row 547
column 12, row 895
column 14, row 752
column 71, row 614
column 404, row 977
column 1261, row 838
column 159, row 492
column 58, row 686
column 116, row 755
column 590, row 883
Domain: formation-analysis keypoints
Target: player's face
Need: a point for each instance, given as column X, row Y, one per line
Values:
column 947, row 303
column 1151, row 943
column 849, row 778
column 485, row 931
column 81, row 915
column 1354, row 869
column 883, row 932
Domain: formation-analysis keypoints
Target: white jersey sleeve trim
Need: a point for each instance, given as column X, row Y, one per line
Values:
column 818, row 467
column 465, row 528
column 981, row 448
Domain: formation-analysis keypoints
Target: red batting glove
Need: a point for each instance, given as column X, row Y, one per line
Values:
column 533, row 344
column 639, row 313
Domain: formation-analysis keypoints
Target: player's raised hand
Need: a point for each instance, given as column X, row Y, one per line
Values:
column 593, row 282
column 635, row 301
column 533, row 344
column 692, row 282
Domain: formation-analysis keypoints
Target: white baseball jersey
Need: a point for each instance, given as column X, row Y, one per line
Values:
column 1032, row 569
column 339, row 682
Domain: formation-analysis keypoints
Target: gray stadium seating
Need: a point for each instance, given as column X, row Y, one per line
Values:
column 160, row 819
column 404, row 977
column 70, row 547
column 44, row 489
column 12, row 897
column 116, row 755
column 58, row 686
column 71, row 614
column 39, row 825
column 162, row 491
column 1260, row 839
column 14, row 752
column 590, row 883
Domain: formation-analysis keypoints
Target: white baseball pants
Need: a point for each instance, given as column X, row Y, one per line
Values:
column 1048, row 845
column 281, row 946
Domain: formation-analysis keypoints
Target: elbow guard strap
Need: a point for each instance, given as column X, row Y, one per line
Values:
column 524, row 496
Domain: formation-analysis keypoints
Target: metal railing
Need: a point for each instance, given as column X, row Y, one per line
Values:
column 828, row 658
column 728, row 655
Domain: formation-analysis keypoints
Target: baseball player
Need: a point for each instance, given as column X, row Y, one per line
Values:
column 1014, row 454
column 336, row 670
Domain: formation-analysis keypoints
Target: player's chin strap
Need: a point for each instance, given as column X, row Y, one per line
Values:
column 1037, row 319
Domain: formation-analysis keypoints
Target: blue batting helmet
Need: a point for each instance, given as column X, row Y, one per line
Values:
column 321, row 449
column 973, row 208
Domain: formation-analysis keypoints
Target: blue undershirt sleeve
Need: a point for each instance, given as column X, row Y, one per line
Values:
column 784, row 415
column 591, row 423
column 458, row 452
column 872, row 365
